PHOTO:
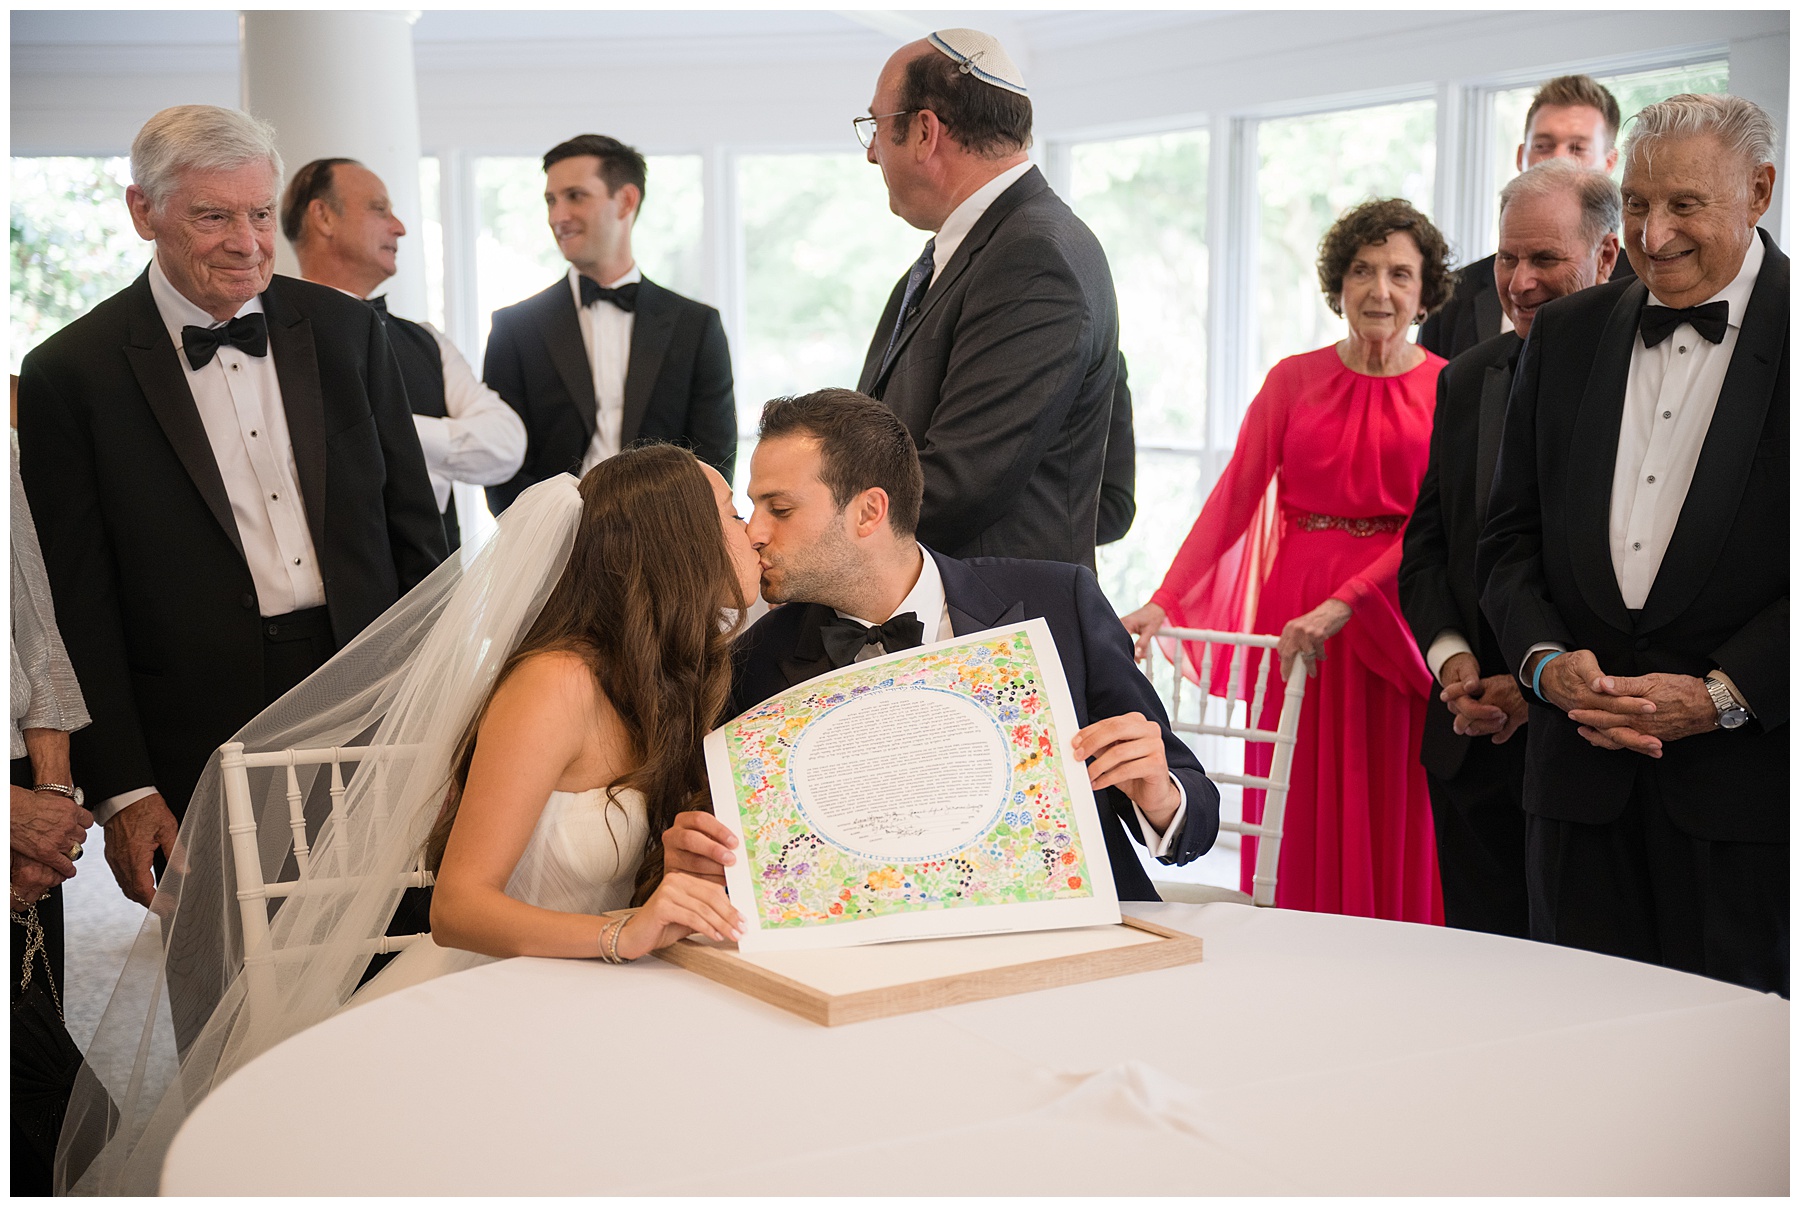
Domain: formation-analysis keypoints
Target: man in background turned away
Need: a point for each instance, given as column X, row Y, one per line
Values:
column 999, row 349
column 345, row 234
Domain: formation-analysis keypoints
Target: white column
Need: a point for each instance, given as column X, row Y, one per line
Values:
column 342, row 84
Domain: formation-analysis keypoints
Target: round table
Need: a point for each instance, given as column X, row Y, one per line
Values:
column 1308, row 1054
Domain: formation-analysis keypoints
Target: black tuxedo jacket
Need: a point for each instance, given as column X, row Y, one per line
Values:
column 784, row 648
column 1720, row 598
column 153, row 595
column 677, row 382
column 1472, row 315
column 1438, row 588
column 1004, row 376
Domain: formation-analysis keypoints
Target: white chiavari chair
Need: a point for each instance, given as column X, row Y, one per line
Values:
column 254, row 892
column 1235, row 716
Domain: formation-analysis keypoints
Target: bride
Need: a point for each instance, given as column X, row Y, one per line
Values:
column 529, row 726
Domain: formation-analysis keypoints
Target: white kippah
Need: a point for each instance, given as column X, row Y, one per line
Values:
column 981, row 56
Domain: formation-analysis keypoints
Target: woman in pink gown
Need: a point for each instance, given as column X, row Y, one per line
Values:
column 1343, row 431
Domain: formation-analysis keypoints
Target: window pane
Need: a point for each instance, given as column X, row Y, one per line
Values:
column 1311, row 170
column 666, row 239
column 72, row 243
column 431, row 240
column 515, row 255
column 1632, row 90
column 1145, row 198
column 822, row 252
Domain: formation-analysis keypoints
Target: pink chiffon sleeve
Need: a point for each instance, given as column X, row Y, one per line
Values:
column 1213, row 581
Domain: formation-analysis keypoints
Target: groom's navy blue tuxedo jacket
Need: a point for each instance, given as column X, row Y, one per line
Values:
column 784, row 648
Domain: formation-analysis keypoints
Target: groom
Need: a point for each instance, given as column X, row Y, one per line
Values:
column 836, row 485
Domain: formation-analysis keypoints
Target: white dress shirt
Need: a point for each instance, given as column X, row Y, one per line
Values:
column 963, row 218
column 606, row 330
column 927, row 599
column 239, row 399
column 1671, row 391
column 1670, row 395
column 481, row 441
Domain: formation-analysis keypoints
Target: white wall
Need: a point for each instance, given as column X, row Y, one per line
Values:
column 83, row 82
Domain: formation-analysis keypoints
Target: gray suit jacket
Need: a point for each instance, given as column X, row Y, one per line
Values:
column 1004, row 375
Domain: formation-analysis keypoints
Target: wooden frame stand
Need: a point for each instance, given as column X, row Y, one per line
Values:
column 852, row 984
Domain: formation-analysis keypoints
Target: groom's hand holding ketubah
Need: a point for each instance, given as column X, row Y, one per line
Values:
column 835, row 485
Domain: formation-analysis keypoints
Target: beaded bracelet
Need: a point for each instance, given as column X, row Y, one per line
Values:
column 609, row 941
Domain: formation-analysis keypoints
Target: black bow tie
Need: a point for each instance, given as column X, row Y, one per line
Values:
column 624, row 297
column 248, row 331
column 1657, row 323
column 379, row 303
column 845, row 638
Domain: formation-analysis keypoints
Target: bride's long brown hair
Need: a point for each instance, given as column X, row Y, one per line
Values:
column 640, row 602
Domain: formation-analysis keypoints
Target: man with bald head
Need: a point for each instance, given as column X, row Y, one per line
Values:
column 344, row 232
column 225, row 478
column 999, row 349
column 1558, row 234
column 1635, row 562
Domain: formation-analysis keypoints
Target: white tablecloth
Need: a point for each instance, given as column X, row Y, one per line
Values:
column 1307, row 1054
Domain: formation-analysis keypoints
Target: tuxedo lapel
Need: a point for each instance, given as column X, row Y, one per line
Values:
column 1711, row 506
column 1496, row 386
column 561, row 330
column 303, row 401
column 1595, row 440
column 972, row 605
column 651, row 327
column 1487, row 311
column 155, row 363
column 1026, row 186
column 809, row 657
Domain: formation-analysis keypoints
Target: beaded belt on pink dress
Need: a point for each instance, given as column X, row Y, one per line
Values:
column 1373, row 525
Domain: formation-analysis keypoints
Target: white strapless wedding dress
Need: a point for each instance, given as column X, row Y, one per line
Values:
column 582, row 858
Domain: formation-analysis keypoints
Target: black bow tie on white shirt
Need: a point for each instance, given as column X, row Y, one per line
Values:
column 248, row 331
column 844, row 638
column 624, row 297
column 1657, row 323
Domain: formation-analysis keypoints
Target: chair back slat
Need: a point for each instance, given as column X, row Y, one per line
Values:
column 253, row 892
column 1247, row 689
column 297, row 818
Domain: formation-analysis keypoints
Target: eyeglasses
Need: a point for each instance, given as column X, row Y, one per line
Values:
column 865, row 126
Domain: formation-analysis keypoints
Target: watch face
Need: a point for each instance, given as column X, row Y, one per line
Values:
column 1731, row 718
column 80, row 798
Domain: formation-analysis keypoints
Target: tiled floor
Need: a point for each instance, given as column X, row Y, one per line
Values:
column 99, row 926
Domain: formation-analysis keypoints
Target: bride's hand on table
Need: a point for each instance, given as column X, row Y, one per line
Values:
column 700, row 845
column 1142, row 625
column 1305, row 636
column 681, row 905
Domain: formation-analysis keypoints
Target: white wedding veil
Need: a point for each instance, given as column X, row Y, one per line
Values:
column 180, row 1019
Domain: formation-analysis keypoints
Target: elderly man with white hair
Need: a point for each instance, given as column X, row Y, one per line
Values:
column 1635, row 562
column 225, row 476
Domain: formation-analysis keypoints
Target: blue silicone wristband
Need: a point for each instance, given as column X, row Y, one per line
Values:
column 1538, row 675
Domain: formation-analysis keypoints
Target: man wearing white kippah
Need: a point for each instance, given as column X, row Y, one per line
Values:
column 999, row 349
